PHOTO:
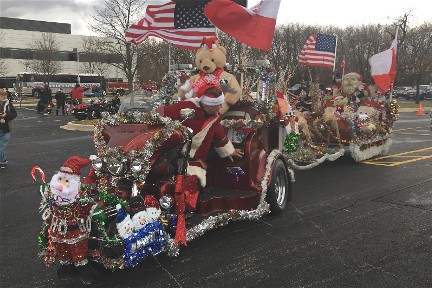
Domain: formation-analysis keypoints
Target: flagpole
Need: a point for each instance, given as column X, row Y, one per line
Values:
column 334, row 62
column 343, row 68
column 169, row 57
column 243, row 60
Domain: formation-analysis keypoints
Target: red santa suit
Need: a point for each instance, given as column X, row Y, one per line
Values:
column 206, row 131
column 69, row 219
column 70, row 228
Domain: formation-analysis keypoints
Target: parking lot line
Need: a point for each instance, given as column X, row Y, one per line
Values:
column 404, row 155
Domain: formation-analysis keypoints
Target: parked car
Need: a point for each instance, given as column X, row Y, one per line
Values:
column 426, row 94
column 411, row 94
column 401, row 91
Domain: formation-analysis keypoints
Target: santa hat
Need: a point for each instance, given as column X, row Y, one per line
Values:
column 151, row 202
column 209, row 42
column 74, row 164
column 210, row 99
column 121, row 214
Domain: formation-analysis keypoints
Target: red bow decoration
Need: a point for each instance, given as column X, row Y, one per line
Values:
column 186, row 196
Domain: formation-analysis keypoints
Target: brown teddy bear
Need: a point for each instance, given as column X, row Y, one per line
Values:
column 366, row 116
column 210, row 60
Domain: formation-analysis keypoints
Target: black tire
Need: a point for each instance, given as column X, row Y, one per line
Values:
column 279, row 192
column 121, row 92
column 80, row 116
column 91, row 114
column 36, row 94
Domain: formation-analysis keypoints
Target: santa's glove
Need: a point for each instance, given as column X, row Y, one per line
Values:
column 186, row 86
column 189, row 94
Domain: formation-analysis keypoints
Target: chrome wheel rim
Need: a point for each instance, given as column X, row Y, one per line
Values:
column 280, row 189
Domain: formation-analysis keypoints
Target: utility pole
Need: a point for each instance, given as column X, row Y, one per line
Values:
column 78, row 64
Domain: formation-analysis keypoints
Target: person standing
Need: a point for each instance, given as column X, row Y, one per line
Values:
column 46, row 99
column 77, row 94
column 60, row 97
column 7, row 114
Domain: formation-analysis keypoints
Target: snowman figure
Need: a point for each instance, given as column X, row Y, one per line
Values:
column 70, row 221
column 140, row 220
column 124, row 223
column 152, row 208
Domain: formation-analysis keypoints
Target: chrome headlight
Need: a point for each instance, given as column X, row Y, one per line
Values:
column 136, row 166
column 165, row 202
column 97, row 164
column 115, row 166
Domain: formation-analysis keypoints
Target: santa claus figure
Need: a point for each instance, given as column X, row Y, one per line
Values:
column 353, row 87
column 70, row 221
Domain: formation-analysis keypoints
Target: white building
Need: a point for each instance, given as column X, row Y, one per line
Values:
column 16, row 47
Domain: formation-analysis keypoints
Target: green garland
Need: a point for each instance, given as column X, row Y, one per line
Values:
column 291, row 142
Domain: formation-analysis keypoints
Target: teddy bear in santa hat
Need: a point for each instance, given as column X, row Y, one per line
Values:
column 70, row 221
column 210, row 59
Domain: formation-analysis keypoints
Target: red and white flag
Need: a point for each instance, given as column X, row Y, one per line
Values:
column 178, row 24
column 383, row 67
column 319, row 50
column 254, row 26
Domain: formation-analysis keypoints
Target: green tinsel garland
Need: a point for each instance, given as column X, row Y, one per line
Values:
column 291, row 142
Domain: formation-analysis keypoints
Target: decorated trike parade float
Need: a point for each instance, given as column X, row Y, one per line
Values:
column 145, row 194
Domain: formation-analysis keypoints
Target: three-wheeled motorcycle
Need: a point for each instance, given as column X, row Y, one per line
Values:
column 141, row 155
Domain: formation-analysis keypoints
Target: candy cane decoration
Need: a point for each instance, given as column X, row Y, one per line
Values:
column 42, row 174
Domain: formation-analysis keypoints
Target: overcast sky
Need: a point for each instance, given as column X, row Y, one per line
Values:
column 335, row 12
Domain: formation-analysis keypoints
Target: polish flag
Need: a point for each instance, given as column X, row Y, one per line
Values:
column 383, row 67
column 254, row 26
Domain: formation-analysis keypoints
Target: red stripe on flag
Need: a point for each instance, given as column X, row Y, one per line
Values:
column 310, row 56
column 159, row 22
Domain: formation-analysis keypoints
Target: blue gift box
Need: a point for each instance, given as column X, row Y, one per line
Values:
column 149, row 240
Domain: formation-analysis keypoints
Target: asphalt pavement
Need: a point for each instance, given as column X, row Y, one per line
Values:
column 349, row 224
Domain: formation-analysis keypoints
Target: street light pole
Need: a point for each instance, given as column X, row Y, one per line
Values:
column 78, row 63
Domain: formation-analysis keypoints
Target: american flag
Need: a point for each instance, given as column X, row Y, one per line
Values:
column 319, row 50
column 180, row 25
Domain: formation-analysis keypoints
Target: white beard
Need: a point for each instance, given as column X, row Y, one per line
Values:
column 69, row 193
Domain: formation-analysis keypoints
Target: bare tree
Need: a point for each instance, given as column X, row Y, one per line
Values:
column 45, row 50
column 3, row 66
column 416, row 59
column 111, row 21
column 93, row 56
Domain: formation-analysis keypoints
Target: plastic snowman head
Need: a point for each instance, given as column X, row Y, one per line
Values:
column 140, row 220
column 152, row 208
column 124, row 223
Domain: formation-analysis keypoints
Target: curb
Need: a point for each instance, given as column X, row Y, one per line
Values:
column 78, row 127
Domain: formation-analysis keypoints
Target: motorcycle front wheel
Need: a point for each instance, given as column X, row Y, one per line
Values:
column 80, row 116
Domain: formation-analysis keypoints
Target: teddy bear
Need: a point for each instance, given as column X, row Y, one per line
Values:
column 210, row 60
column 69, row 220
column 366, row 116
